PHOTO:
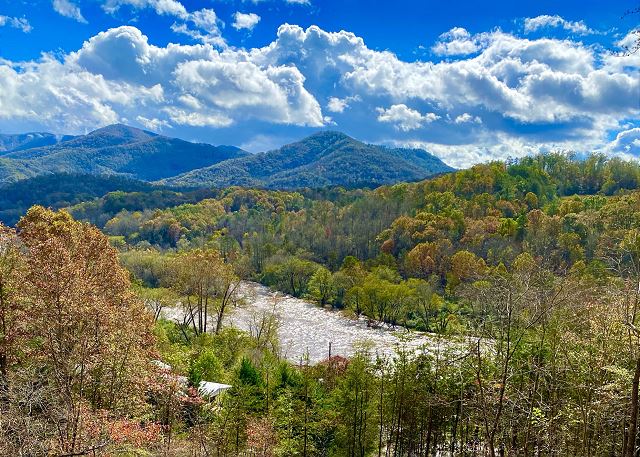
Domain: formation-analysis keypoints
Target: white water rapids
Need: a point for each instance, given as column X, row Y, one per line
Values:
column 307, row 328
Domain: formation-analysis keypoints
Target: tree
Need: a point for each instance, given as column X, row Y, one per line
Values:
column 466, row 266
column 207, row 285
column 321, row 286
column 13, row 306
column 508, row 306
column 623, row 255
column 90, row 337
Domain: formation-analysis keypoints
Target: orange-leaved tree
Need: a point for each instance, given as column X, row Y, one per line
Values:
column 87, row 339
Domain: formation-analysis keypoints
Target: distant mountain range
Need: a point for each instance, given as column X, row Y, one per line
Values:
column 116, row 149
column 324, row 159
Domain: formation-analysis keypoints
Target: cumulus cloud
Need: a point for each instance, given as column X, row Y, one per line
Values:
column 626, row 143
column 117, row 76
column 513, row 95
column 456, row 42
column 16, row 23
column 405, row 118
column 68, row 9
column 338, row 105
column 466, row 118
column 531, row 24
column 539, row 93
column 245, row 20
column 206, row 27
column 201, row 25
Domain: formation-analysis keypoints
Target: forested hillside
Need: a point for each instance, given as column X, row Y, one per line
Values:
column 525, row 274
column 321, row 160
column 59, row 191
column 115, row 149
column 324, row 159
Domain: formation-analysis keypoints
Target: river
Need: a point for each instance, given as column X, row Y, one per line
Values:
column 304, row 327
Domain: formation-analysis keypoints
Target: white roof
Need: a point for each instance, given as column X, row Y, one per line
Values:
column 212, row 389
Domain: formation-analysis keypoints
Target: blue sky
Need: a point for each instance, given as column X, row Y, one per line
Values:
column 468, row 81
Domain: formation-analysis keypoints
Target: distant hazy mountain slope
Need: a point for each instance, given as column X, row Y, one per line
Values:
column 323, row 159
column 116, row 149
column 21, row 141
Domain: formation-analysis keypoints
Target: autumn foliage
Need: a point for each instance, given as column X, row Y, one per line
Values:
column 75, row 341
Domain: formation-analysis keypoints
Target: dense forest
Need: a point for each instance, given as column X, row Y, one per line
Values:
column 525, row 273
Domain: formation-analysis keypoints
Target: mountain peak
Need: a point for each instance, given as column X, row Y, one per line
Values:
column 327, row 137
column 326, row 158
column 124, row 133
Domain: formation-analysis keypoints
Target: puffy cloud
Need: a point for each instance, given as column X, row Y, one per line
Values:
column 531, row 94
column 405, row 118
column 245, row 20
column 206, row 30
column 456, row 42
column 531, row 24
column 16, row 23
column 626, row 143
column 466, row 118
column 338, row 105
column 512, row 96
column 64, row 97
column 68, row 9
column 117, row 76
column 202, row 25
column 273, row 93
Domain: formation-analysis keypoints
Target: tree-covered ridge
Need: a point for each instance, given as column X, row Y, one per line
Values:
column 62, row 190
column 421, row 238
column 334, row 223
column 321, row 160
column 116, row 149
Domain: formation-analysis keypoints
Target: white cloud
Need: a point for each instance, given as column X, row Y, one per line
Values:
column 162, row 7
column 404, row 118
column 207, row 27
column 245, row 20
column 202, row 25
column 276, row 94
column 68, row 9
column 456, row 42
column 544, row 93
column 626, row 143
column 118, row 76
column 531, row 24
column 16, row 23
column 519, row 95
column 338, row 105
column 154, row 124
column 466, row 118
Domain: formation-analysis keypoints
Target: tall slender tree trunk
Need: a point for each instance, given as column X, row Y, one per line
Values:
column 632, row 430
